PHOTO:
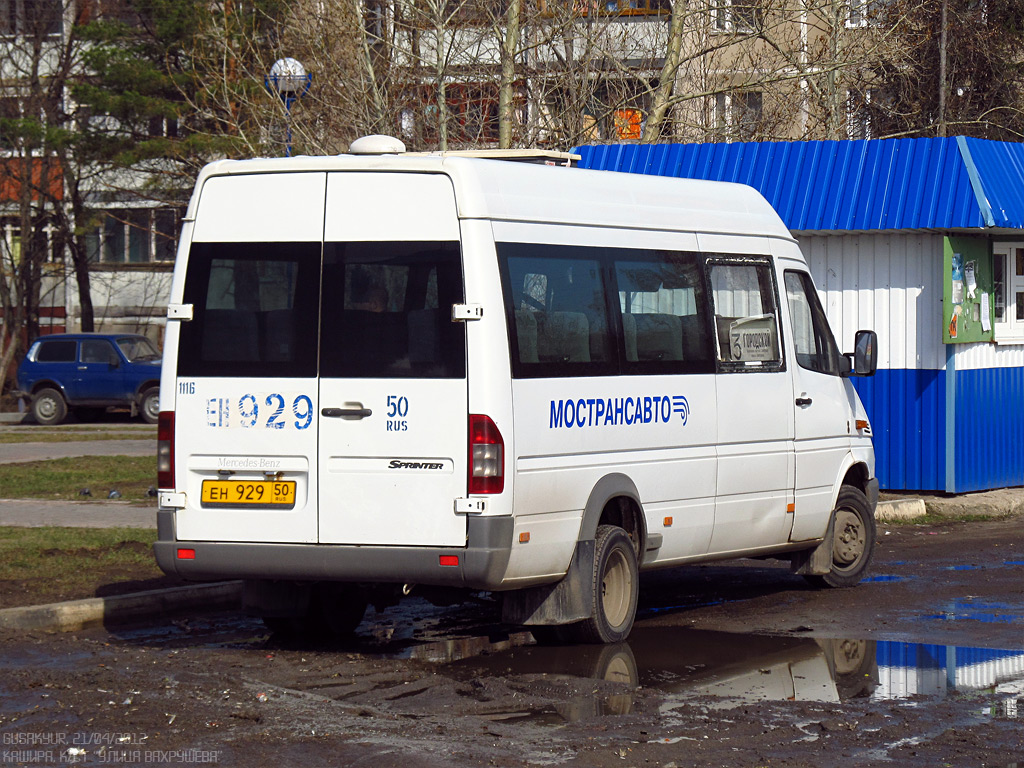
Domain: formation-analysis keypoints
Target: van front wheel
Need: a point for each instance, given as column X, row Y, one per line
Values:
column 853, row 540
column 615, row 585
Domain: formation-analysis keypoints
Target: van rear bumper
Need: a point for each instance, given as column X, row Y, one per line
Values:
column 481, row 563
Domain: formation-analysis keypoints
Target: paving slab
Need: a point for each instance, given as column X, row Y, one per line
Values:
column 37, row 513
column 13, row 453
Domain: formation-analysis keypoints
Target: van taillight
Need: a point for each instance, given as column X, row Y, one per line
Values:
column 486, row 456
column 165, row 450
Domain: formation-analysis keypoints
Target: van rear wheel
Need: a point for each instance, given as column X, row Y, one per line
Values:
column 615, row 586
column 853, row 540
column 339, row 609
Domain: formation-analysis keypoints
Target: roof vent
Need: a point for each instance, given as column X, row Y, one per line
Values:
column 376, row 144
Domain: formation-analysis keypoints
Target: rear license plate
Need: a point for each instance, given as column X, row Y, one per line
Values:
column 248, row 493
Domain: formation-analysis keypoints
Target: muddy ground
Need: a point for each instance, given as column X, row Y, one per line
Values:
column 733, row 664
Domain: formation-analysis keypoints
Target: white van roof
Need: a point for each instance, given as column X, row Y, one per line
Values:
column 526, row 192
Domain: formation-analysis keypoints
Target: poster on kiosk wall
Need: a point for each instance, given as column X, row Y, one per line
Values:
column 967, row 285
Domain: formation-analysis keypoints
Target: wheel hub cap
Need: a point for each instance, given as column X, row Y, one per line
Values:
column 848, row 540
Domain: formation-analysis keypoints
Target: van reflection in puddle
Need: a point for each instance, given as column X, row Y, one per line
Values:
column 696, row 663
column 685, row 664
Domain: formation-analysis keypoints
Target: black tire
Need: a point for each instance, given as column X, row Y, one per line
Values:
column 283, row 626
column 853, row 540
column 149, row 405
column 48, row 406
column 334, row 611
column 339, row 609
column 615, row 584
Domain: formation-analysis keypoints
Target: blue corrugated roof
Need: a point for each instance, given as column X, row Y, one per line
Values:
column 942, row 183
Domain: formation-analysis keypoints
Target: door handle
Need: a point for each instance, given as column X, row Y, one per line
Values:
column 801, row 401
column 346, row 413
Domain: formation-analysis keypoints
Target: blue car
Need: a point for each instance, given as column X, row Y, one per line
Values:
column 89, row 372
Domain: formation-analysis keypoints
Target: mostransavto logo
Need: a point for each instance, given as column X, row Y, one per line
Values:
column 617, row 411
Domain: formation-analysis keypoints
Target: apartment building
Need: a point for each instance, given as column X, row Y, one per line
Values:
column 127, row 232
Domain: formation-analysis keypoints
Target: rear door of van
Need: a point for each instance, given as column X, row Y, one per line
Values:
column 246, row 396
column 392, row 415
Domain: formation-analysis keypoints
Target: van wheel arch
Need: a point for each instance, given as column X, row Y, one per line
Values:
column 857, row 476
column 615, row 501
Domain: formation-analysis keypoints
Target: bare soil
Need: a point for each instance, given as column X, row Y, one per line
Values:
column 424, row 686
column 92, row 578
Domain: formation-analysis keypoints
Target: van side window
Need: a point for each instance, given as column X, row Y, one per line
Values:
column 815, row 346
column 664, row 313
column 254, row 310
column 387, row 309
column 746, row 315
column 558, row 314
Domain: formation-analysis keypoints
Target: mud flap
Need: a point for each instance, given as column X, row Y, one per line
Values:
column 565, row 602
column 817, row 561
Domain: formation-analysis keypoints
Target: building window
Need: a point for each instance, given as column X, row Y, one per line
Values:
column 604, row 7
column 134, row 236
column 10, row 114
column 738, row 15
column 739, row 114
column 865, row 13
column 1008, row 291
column 163, row 126
column 858, row 115
column 31, row 18
column 472, row 114
column 13, row 245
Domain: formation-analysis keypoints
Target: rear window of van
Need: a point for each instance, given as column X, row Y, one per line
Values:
column 254, row 310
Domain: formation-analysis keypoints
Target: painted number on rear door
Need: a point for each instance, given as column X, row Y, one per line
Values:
column 398, row 409
column 261, row 411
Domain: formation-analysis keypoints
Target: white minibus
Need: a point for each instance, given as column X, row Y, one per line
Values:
column 388, row 371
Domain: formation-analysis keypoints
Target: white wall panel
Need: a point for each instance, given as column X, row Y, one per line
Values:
column 985, row 355
column 890, row 283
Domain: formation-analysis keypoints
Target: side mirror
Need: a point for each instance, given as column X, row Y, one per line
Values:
column 864, row 355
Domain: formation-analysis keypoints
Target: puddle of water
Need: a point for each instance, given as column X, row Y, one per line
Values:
column 884, row 578
column 969, row 610
column 962, row 568
column 686, row 664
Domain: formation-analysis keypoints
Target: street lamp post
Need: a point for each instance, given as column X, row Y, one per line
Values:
column 289, row 80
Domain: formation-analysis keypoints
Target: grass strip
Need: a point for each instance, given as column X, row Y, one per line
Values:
column 41, row 565
column 131, row 476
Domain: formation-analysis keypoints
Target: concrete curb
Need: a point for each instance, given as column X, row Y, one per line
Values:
column 900, row 509
column 77, row 614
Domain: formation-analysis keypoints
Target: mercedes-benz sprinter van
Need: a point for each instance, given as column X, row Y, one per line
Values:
column 385, row 370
